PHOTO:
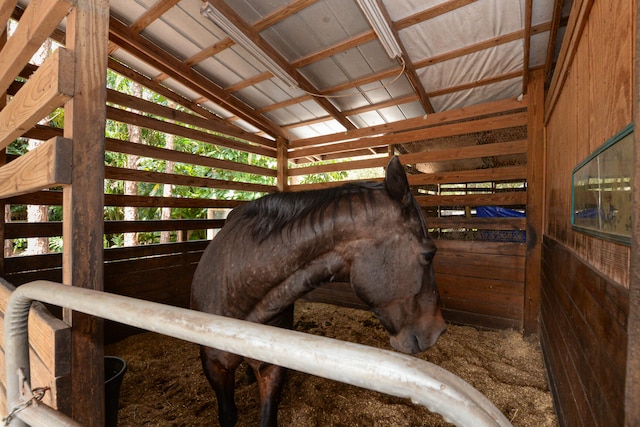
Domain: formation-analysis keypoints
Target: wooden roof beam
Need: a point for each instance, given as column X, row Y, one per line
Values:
column 553, row 35
column 151, row 14
column 262, row 24
column 281, row 14
column 140, row 47
column 527, row 44
column 412, row 98
column 368, row 36
column 303, row 83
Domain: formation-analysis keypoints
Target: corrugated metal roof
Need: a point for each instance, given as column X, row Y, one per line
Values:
column 462, row 52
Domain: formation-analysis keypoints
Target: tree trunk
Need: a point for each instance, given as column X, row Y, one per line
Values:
column 131, row 187
column 38, row 213
column 167, row 190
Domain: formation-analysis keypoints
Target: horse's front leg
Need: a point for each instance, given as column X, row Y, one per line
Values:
column 221, row 376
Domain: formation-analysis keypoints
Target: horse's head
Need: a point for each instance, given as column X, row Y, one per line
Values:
column 393, row 272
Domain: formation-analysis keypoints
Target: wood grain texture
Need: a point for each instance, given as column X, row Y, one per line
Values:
column 595, row 103
column 481, row 283
column 39, row 20
column 536, row 153
column 83, row 205
column 46, row 166
column 49, row 349
column 584, row 333
column 47, row 89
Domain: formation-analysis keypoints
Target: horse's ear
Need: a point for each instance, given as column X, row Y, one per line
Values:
column 396, row 181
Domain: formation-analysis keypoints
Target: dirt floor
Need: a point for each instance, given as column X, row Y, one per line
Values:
column 165, row 387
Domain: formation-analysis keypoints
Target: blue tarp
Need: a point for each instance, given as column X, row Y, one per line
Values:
column 518, row 236
column 497, row 212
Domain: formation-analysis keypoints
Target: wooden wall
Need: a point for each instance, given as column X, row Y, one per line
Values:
column 49, row 354
column 474, row 290
column 585, row 279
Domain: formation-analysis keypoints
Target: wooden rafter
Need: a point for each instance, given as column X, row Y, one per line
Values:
column 553, row 34
column 527, row 44
column 281, row 14
column 413, row 98
column 151, row 14
column 304, row 84
column 140, row 47
column 432, row 12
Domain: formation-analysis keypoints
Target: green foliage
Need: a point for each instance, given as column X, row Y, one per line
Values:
column 120, row 131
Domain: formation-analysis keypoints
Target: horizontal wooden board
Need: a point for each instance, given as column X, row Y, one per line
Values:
column 469, row 152
column 496, row 199
column 49, row 87
column 48, row 165
column 170, row 285
column 339, row 166
column 481, row 321
column 144, row 150
column 55, row 198
column 496, row 248
column 123, row 116
column 131, row 252
column 469, row 176
column 49, row 348
column 211, row 124
column 116, row 268
column 431, row 120
column 16, row 230
column 492, row 270
column 494, row 285
column 36, row 24
column 485, row 307
column 32, row 262
column 583, row 330
column 174, row 179
column 477, row 223
column 478, row 125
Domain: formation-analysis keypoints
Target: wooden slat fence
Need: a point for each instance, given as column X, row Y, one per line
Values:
column 482, row 280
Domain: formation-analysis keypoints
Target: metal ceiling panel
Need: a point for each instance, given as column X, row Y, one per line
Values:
column 443, row 41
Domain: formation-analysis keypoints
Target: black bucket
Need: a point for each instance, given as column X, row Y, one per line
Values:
column 114, row 370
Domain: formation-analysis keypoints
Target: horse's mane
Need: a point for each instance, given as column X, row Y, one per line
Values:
column 276, row 212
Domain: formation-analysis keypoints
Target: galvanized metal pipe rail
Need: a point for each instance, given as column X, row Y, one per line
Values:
column 375, row 369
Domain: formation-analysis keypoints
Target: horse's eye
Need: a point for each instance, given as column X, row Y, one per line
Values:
column 427, row 257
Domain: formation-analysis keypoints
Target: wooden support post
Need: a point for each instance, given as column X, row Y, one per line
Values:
column 632, row 384
column 283, row 162
column 83, row 202
column 3, row 154
column 535, row 201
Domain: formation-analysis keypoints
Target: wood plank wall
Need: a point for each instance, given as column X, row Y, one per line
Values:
column 585, row 279
column 51, row 86
column 584, row 334
column 473, row 290
column 477, row 294
column 49, row 354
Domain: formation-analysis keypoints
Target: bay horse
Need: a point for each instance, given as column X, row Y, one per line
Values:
column 273, row 250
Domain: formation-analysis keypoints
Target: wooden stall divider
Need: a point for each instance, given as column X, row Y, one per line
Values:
column 50, row 354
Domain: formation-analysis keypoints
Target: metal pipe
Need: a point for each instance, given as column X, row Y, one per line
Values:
column 376, row 369
column 42, row 415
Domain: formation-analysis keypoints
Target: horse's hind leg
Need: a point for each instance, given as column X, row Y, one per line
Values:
column 271, row 378
column 221, row 376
